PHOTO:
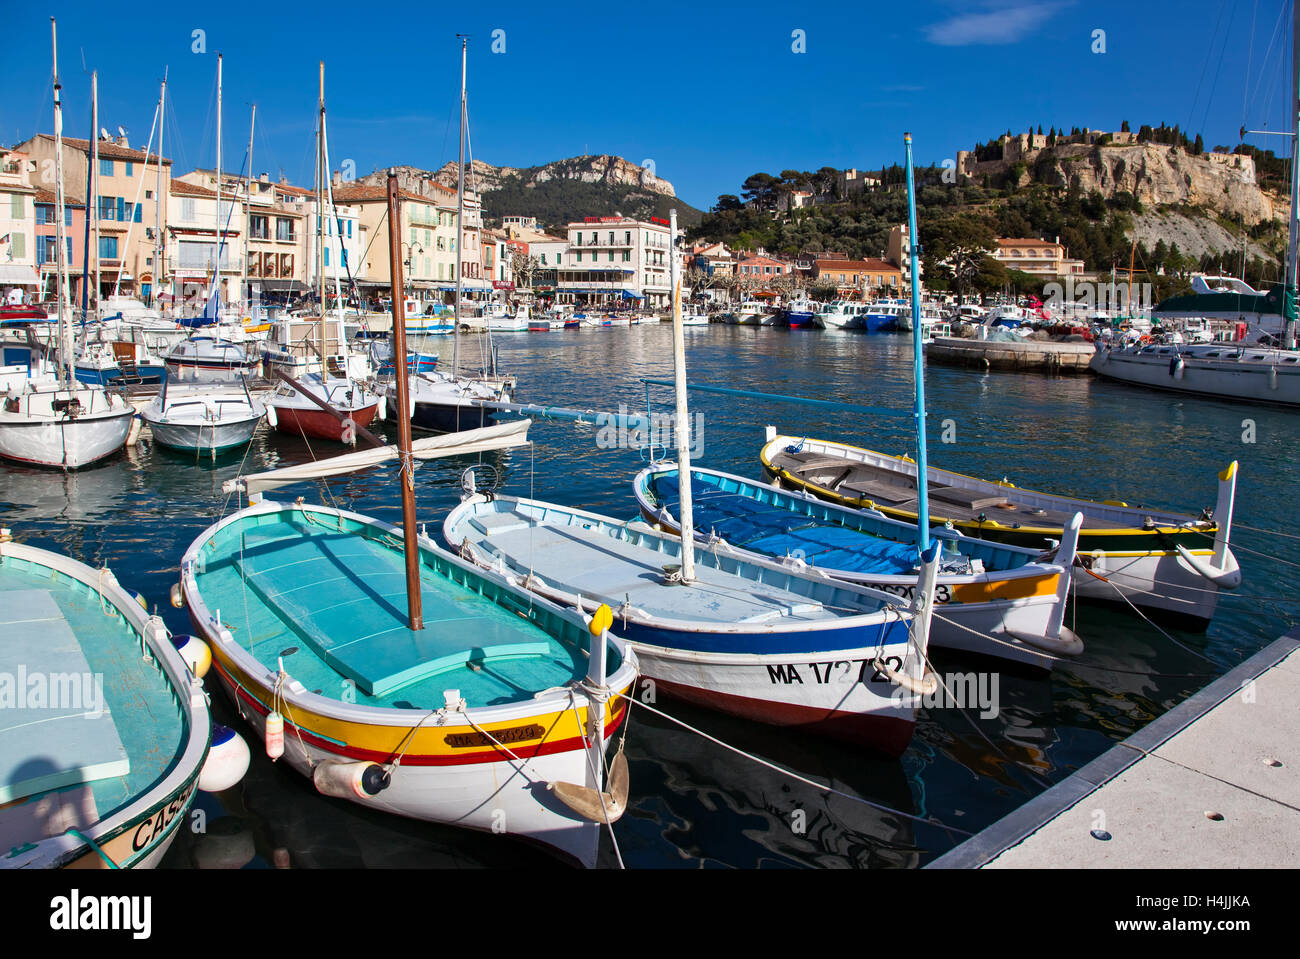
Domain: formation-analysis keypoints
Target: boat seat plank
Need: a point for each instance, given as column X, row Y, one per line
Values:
column 971, row 499
column 878, row 490
column 64, row 740
column 595, row 565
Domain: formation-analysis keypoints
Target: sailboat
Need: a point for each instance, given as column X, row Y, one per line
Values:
column 750, row 637
column 398, row 676
column 1253, row 369
column 443, row 401
column 52, row 420
column 329, row 404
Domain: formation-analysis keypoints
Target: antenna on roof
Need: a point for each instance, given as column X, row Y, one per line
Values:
column 121, row 132
column 103, row 133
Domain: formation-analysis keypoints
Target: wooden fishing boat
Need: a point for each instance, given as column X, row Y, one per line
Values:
column 1168, row 562
column 104, row 729
column 299, row 408
column 1014, row 595
column 465, row 721
column 748, row 637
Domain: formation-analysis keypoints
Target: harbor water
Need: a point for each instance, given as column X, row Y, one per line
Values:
column 693, row 803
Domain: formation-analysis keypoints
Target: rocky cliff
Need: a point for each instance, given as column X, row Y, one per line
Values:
column 608, row 170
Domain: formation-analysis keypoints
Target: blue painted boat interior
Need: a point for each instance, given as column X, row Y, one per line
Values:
column 52, row 624
column 775, row 523
column 328, row 596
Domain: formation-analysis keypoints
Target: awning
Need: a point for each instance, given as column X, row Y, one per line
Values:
column 280, row 286
column 15, row 274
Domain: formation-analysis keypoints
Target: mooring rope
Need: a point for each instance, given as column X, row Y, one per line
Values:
column 793, row 775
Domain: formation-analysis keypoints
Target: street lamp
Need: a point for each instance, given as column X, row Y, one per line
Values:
column 411, row 250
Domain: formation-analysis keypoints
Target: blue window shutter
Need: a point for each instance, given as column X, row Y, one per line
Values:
column 138, row 208
column 68, row 239
column 121, row 209
column 67, row 217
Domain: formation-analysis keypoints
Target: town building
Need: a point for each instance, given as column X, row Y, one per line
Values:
column 123, row 210
column 45, row 203
column 870, row 275
column 762, row 268
column 18, row 277
column 1044, row 258
column 614, row 258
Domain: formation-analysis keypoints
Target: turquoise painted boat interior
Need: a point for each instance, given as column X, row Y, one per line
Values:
column 327, row 595
column 54, row 631
column 772, row 522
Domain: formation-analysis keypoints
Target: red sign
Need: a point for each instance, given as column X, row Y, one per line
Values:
column 502, row 285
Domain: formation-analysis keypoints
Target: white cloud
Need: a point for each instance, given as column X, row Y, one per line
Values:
column 1007, row 23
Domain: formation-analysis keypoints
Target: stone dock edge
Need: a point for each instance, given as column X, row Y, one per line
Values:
column 1015, row 827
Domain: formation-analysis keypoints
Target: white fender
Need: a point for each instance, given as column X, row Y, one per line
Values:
column 1226, row 577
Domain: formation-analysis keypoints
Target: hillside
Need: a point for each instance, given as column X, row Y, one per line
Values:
column 1097, row 192
column 563, row 190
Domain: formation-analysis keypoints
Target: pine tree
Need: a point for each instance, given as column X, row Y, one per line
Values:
column 1123, row 127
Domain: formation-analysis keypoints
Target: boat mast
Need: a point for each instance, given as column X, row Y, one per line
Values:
column 414, row 608
column 341, row 332
column 1289, row 287
column 918, row 367
column 248, row 214
column 158, row 195
column 682, row 424
column 460, row 219
column 60, row 263
column 320, row 215
column 221, row 235
column 94, row 167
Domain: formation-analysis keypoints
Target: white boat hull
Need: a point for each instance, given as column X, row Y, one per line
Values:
column 1275, row 380
column 62, row 441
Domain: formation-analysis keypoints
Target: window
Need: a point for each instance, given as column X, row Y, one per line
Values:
column 187, row 209
column 139, row 208
column 611, row 256
column 578, row 257
column 259, row 227
column 579, row 238
column 327, row 256
column 350, row 229
column 67, row 217
column 627, row 237
column 108, row 207
column 611, row 237
column 44, row 213
column 105, row 167
column 148, row 194
column 627, row 256
column 130, row 167
column 283, row 228
column 108, row 248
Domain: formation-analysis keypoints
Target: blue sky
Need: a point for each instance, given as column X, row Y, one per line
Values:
column 709, row 92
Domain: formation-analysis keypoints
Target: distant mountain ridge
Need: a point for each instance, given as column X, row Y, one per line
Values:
column 562, row 191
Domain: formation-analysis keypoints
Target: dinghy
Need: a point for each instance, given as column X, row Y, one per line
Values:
column 1158, row 560
column 104, row 729
column 1015, row 595
column 396, row 675
column 748, row 637
column 203, row 419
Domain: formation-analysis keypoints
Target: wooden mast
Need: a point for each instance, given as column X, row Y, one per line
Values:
column 682, row 426
column 159, row 197
column 407, row 473
column 221, row 230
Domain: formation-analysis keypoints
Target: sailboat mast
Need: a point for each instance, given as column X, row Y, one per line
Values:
column 1290, row 283
column 60, row 264
column 159, row 199
column 918, row 366
column 248, row 213
column 682, row 417
column 320, row 215
column 94, row 167
column 414, row 606
column 460, row 220
column 221, row 235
